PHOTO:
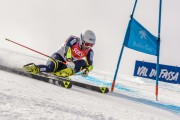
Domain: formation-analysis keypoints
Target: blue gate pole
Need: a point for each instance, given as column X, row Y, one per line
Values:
column 158, row 49
column 120, row 56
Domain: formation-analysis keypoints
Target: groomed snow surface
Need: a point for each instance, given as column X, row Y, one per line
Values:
column 23, row 98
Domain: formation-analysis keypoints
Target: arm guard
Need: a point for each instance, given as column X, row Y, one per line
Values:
column 69, row 43
column 68, row 54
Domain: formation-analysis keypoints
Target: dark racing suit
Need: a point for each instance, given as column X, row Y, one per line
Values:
column 70, row 50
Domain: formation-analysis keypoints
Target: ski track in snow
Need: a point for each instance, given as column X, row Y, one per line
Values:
column 22, row 99
column 166, row 106
column 26, row 98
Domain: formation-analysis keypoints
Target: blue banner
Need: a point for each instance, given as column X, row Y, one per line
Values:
column 167, row 73
column 139, row 38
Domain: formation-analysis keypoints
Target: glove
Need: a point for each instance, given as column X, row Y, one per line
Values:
column 84, row 72
column 71, row 65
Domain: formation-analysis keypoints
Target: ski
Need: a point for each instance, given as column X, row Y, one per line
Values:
column 49, row 78
column 101, row 89
column 58, row 81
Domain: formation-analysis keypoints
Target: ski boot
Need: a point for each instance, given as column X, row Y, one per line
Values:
column 31, row 68
column 65, row 73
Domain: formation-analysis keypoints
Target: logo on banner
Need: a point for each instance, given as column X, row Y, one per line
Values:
column 142, row 34
column 164, row 73
column 148, row 70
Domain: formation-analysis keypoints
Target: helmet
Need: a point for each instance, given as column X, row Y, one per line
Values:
column 88, row 38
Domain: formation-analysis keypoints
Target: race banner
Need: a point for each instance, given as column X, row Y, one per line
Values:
column 167, row 73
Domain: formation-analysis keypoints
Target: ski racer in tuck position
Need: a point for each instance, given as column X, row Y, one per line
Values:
column 74, row 55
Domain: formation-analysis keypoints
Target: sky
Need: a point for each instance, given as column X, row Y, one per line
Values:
column 44, row 25
column 133, row 98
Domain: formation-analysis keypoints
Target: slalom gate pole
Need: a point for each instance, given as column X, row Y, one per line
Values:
column 34, row 51
column 122, row 49
column 158, row 50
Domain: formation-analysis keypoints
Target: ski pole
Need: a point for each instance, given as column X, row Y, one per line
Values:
column 35, row 51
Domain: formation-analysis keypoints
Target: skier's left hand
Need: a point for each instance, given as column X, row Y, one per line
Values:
column 85, row 72
column 70, row 65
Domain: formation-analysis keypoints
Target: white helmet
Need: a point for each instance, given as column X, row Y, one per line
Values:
column 88, row 38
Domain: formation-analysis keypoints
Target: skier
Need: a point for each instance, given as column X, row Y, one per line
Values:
column 74, row 55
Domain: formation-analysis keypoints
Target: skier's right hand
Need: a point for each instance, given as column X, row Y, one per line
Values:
column 85, row 72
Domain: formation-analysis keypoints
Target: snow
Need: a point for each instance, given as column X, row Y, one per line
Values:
column 44, row 25
column 24, row 98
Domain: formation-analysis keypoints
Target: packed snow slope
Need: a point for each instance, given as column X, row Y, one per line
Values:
column 26, row 98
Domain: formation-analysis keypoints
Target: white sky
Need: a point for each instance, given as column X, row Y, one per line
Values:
column 45, row 24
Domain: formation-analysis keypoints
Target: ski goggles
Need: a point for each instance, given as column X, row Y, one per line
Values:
column 88, row 44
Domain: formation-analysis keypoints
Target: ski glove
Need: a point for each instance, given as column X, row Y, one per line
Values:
column 84, row 72
column 71, row 65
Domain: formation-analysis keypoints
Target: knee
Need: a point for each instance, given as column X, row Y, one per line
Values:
column 50, row 66
column 79, row 64
column 83, row 63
